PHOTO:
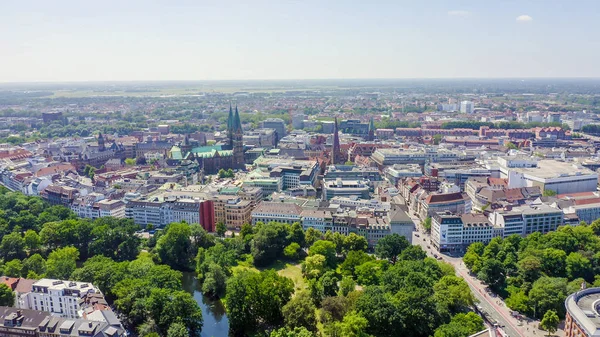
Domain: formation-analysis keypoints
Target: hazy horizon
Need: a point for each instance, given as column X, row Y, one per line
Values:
column 184, row 40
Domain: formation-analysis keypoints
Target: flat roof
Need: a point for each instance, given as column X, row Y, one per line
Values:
column 554, row 169
column 583, row 308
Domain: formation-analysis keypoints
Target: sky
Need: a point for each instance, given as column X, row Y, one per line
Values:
column 122, row 40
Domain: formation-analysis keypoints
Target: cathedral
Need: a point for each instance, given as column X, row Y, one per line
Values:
column 223, row 156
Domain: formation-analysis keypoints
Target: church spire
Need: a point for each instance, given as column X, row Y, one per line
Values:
column 335, row 152
column 230, row 119
column 371, row 136
column 237, row 124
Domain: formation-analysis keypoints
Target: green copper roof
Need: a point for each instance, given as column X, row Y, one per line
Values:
column 210, row 148
column 175, row 153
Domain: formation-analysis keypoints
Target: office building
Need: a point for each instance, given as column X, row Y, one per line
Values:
column 466, row 107
column 582, row 318
column 527, row 219
column 454, row 232
column 282, row 212
column 276, row 124
column 558, row 176
column 345, row 188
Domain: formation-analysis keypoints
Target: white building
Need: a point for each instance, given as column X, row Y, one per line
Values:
column 466, row 107
column 558, row 176
column 283, row 212
column 59, row 297
column 527, row 219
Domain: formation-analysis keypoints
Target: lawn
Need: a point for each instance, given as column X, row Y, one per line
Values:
column 293, row 272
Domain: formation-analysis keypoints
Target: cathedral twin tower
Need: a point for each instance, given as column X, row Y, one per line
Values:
column 235, row 135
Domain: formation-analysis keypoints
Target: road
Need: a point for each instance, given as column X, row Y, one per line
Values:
column 494, row 306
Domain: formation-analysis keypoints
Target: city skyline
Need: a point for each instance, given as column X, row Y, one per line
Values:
column 183, row 40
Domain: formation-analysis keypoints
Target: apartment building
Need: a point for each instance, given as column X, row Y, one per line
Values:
column 63, row 298
column 16, row 322
column 161, row 210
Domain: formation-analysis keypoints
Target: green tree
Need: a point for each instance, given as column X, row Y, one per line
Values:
column 492, row 273
column 413, row 253
column 268, row 243
column 246, row 230
column 549, row 193
column 62, row 262
column 347, row 284
column 174, row 247
column 453, row 294
column 36, row 264
column 314, row 266
column 32, row 240
column 461, row 325
column 517, row 300
column 354, row 242
column 177, row 330
column 370, row 272
column 300, row 312
column 255, row 299
column 221, row 229
column 579, row 266
column 165, row 306
column 214, row 281
column 382, row 313
column 427, row 224
column 12, row 247
column 554, row 262
column 353, row 325
column 333, row 309
column 530, row 268
column 325, row 248
column 297, row 234
column 550, row 322
column 130, row 161
column 13, row 268
column 390, row 246
column 292, row 251
column 354, row 259
column 7, row 296
column 548, row 293
column 312, row 235
column 296, row 332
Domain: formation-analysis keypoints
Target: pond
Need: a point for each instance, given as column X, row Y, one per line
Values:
column 216, row 323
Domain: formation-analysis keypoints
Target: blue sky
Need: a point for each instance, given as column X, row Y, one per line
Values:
column 76, row 40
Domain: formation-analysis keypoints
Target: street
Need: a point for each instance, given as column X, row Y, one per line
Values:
column 493, row 306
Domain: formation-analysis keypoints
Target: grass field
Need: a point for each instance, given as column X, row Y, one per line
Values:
column 293, row 272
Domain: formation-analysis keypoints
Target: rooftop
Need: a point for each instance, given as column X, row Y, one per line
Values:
column 583, row 308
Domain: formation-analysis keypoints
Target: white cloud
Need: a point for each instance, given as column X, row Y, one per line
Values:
column 524, row 18
column 459, row 13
